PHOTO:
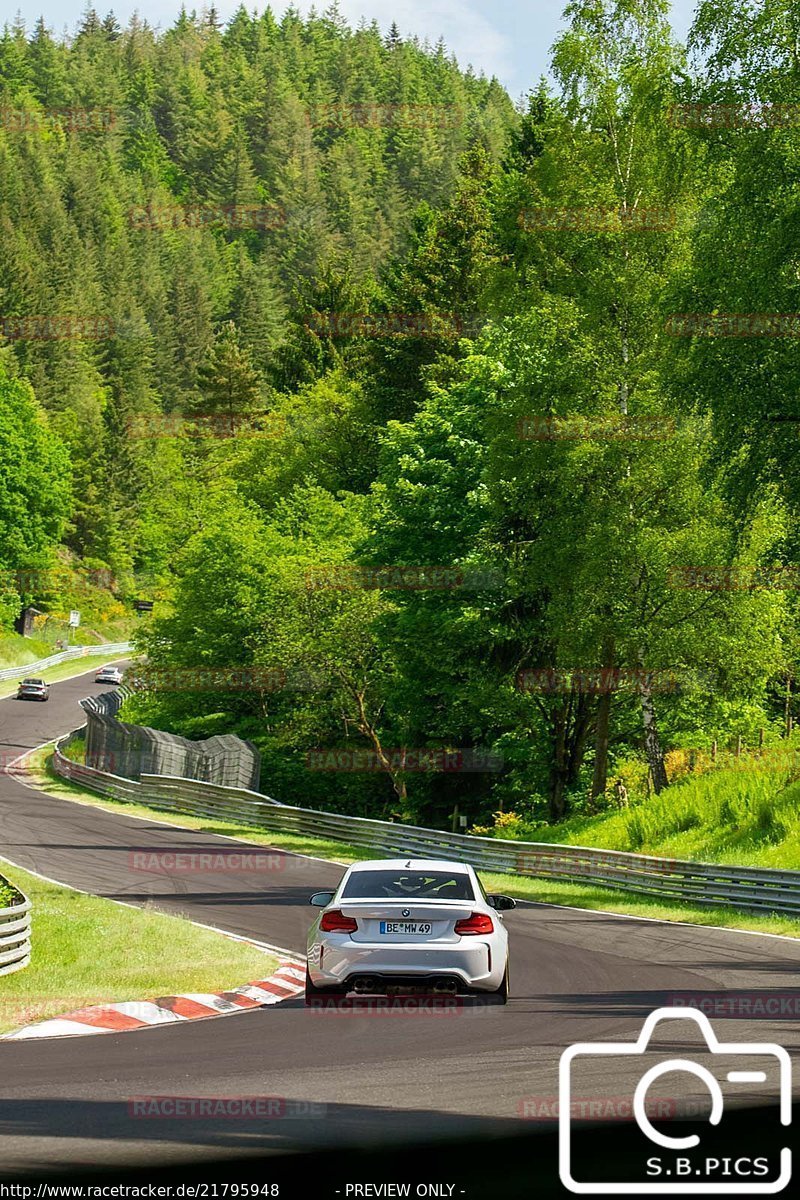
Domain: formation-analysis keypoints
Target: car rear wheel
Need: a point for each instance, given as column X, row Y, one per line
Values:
column 502, row 992
column 315, row 993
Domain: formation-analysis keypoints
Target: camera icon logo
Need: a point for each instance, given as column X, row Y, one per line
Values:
column 675, row 1170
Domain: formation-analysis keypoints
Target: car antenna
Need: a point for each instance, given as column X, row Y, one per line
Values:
column 408, row 864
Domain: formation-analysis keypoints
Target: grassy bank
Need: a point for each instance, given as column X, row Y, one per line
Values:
column 16, row 650
column 92, row 951
column 543, row 891
column 746, row 814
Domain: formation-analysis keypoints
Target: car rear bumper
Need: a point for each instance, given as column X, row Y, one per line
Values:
column 474, row 964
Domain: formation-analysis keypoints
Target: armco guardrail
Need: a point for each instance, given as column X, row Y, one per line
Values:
column 695, row 883
column 108, row 650
column 15, row 936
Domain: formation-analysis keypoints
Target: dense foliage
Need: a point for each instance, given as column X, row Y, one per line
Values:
column 423, row 454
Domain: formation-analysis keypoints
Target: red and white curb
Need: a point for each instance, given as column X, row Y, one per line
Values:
column 287, row 982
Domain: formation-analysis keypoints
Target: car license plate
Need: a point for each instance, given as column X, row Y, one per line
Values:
column 406, row 927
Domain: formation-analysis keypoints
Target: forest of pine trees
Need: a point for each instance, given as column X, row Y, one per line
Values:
column 103, row 140
column 344, row 377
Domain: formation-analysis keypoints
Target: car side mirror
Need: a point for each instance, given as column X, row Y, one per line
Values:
column 501, row 903
column 321, row 899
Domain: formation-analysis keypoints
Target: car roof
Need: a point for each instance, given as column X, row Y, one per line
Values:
column 33, row 679
column 411, row 864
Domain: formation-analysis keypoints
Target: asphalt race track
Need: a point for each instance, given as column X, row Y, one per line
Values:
column 575, row 976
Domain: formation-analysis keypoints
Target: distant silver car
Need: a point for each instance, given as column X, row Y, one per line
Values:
column 108, row 675
column 33, row 689
column 396, row 922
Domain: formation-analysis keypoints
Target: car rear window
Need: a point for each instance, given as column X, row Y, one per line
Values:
column 34, row 682
column 406, row 883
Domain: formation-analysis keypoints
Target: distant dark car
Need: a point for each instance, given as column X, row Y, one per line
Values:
column 108, row 675
column 33, row 689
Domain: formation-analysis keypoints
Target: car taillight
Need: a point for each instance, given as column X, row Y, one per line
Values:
column 336, row 922
column 475, row 923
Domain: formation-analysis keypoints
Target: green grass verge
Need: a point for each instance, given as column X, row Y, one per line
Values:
column 87, row 950
column 543, row 891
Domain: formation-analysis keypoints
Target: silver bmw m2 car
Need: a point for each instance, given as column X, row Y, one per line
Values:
column 408, row 922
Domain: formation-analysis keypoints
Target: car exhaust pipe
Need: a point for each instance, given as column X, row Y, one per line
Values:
column 446, row 987
column 366, row 984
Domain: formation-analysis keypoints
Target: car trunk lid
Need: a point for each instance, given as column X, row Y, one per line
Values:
column 405, row 920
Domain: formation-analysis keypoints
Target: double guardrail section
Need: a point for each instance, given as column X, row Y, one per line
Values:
column 710, row 884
